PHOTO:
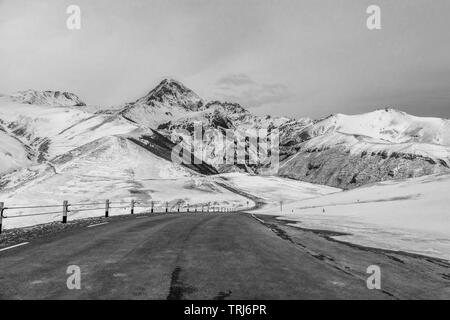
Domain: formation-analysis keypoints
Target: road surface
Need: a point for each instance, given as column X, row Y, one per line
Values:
column 177, row 256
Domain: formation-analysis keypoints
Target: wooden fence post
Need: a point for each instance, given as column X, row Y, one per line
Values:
column 65, row 210
column 132, row 206
column 107, row 209
column 167, row 206
column 2, row 208
column 152, row 207
column 188, row 207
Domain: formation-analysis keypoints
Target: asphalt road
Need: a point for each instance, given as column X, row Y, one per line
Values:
column 177, row 256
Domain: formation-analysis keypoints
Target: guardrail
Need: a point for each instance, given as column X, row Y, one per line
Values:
column 65, row 208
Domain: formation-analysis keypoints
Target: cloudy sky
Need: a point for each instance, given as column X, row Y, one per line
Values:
column 280, row 57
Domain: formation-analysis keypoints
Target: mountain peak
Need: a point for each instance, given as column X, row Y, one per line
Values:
column 172, row 93
column 48, row 97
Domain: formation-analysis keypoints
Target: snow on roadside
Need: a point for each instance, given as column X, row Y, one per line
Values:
column 411, row 215
column 275, row 191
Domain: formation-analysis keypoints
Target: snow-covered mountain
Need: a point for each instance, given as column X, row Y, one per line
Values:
column 49, row 153
column 388, row 125
column 50, row 98
column 341, row 151
column 220, row 116
column 52, row 145
column 169, row 100
column 349, row 151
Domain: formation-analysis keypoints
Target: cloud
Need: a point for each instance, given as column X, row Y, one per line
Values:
column 234, row 80
column 244, row 90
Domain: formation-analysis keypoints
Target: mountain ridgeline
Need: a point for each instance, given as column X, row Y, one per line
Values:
column 339, row 151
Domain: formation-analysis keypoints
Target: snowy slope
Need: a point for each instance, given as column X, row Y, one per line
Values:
column 51, row 98
column 275, row 192
column 112, row 168
column 68, row 153
column 350, row 151
column 410, row 215
column 13, row 153
column 389, row 125
column 36, row 125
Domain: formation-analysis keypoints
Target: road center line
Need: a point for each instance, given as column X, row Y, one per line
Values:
column 141, row 217
column 14, row 246
column 98, row 224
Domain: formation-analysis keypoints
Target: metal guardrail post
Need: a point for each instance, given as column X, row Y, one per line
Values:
column 65, row 210
column 2, row 208
column 107, row 209
column 132, row 206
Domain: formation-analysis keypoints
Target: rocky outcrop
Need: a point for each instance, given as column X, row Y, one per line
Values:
column 337, row 167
